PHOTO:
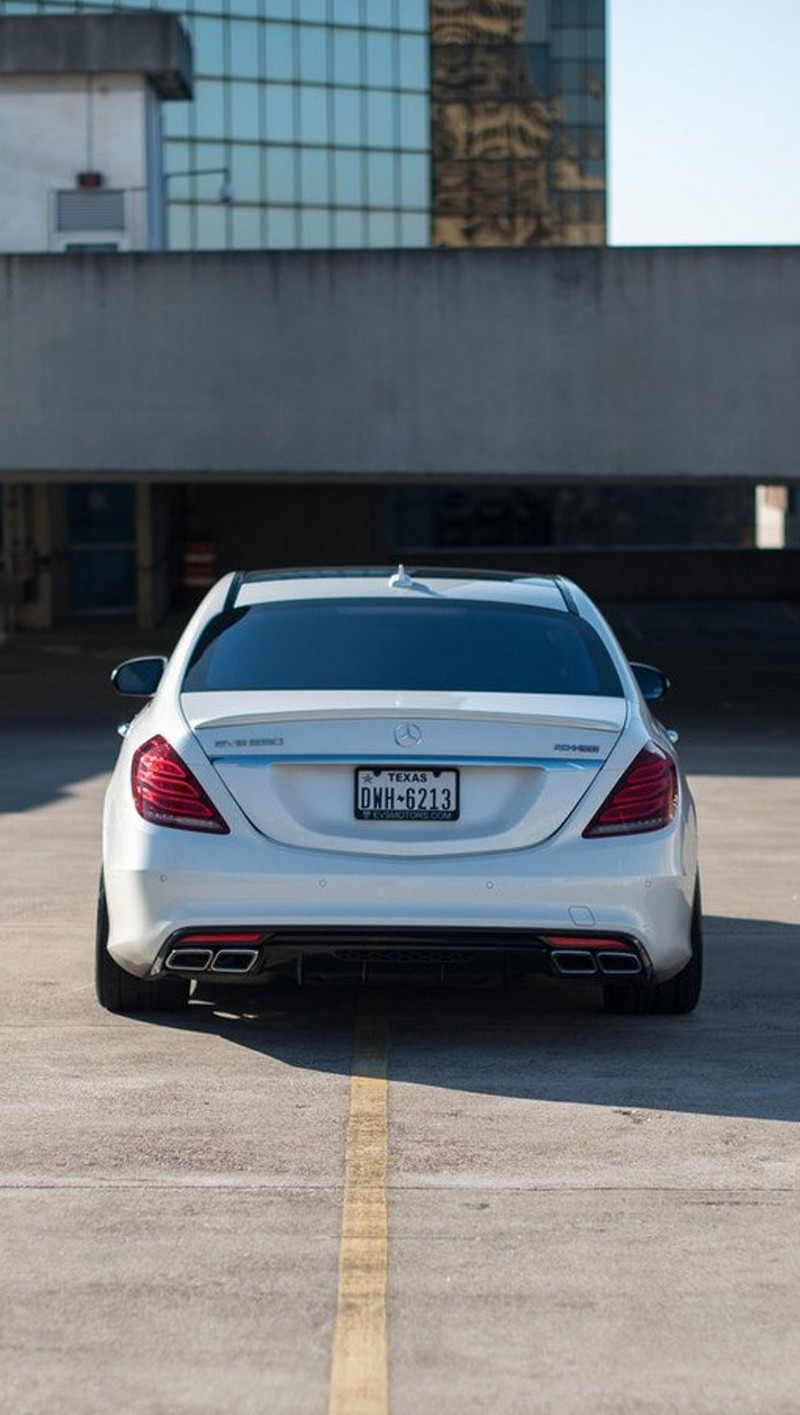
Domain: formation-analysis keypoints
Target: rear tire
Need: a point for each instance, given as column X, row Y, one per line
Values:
column 675, row 997
column 119, row 991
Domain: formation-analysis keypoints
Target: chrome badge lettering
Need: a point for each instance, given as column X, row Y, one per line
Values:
column 576, row 747
column 226, row 743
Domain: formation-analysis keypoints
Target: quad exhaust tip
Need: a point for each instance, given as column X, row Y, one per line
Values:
column 583, row 963
column 574, row 962
column 189, row 960
column 621, row 964
column 205, row 960
column 234, row 960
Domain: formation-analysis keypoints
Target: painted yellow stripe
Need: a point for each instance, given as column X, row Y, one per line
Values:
column 359, row 1377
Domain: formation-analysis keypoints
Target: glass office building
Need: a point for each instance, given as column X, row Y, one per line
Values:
column 385, row 123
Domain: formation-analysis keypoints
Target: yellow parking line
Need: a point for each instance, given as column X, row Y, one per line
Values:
column 359, row 1378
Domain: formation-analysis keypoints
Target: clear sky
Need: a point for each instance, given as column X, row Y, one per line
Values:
column 704, row 115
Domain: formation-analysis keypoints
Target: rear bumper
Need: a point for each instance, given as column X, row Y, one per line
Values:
column 310, row 901
column 346, row 953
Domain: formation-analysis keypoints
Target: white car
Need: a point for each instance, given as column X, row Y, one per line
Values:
column 362, row 773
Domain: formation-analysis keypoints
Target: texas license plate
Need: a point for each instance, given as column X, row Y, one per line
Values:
column 388, row 793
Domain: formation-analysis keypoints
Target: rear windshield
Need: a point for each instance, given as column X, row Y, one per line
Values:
column 427, row 645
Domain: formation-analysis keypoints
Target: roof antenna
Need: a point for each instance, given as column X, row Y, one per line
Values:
column 400, row 580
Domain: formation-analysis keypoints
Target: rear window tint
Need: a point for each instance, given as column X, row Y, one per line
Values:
column 425, row 645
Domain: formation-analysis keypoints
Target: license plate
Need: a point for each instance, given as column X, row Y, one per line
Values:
column 388, row 793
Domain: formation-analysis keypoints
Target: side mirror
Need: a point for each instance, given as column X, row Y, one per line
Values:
column 653, row 683
column 138, row 677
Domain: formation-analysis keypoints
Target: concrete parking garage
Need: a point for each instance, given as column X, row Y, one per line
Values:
column 320, row 407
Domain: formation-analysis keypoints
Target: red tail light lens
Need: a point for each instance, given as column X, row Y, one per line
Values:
column 166, row 793
column 644, row 799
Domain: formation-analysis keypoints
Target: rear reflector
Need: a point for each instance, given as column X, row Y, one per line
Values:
column 583, row 941
column 644, row 799
column 219, row 936
column 165, row 792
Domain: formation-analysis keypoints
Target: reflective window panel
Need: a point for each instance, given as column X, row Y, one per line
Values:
column 384, row 122
column 517, row 122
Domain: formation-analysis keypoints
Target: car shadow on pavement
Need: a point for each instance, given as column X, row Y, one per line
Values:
column 40, row 766
column 737, row 1055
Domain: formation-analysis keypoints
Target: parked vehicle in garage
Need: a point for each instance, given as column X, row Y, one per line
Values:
column 366, row 772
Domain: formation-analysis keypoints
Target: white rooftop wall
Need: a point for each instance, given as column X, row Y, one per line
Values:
column 56, row 126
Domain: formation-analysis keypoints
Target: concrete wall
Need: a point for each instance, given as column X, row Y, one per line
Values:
column 603, row 365
column 119, row 43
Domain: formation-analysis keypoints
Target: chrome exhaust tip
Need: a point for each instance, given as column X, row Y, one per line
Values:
column 234, row 960
column 574, row 962
column 620, row 964
column 189, row 960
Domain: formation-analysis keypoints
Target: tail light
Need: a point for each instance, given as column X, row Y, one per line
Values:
column 644, row 799
column 166, row 793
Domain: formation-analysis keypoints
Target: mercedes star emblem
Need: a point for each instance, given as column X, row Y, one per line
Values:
column 407, row 734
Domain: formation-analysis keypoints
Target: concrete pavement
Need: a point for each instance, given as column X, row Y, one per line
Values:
column 586, row 1213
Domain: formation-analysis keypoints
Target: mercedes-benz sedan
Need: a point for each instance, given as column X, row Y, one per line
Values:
column 372, row 774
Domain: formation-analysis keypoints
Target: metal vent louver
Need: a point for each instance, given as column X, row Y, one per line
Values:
column 90, row 211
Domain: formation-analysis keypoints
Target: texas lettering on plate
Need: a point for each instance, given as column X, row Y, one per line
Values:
column 406, row 794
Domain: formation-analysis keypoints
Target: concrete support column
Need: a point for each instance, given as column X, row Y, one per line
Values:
column 33, row 544
column 58, row 553
column 791, row 523
column 145, row 556
column 10, row 589
column 152, row 543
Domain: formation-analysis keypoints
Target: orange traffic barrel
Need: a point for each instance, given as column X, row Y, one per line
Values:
column 198, row 569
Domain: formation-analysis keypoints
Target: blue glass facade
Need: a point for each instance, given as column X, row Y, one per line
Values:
column 319, row 108
column 385, row 123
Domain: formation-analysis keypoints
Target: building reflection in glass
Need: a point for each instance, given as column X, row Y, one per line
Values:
column 518, row 122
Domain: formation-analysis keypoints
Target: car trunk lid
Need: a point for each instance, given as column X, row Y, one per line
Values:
column 518, row 763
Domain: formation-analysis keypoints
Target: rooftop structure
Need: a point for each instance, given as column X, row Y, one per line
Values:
column 81, row 161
